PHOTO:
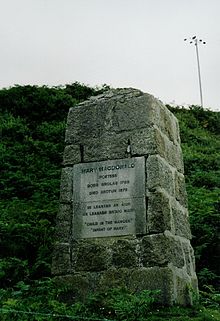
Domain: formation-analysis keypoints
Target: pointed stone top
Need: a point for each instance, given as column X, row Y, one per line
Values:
column 120, row 94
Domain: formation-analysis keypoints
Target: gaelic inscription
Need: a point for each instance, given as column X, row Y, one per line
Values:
column 109, row 198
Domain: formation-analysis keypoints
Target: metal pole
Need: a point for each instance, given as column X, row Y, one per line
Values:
column 199, row 73
column 194, row 40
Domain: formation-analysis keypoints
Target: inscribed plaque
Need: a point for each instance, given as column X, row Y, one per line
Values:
column 109, row 198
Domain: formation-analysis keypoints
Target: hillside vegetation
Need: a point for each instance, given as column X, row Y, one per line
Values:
column 32, row 142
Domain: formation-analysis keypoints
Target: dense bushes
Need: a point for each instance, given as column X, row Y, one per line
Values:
column 32, row 141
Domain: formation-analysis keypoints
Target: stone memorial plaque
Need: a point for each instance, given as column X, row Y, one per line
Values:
column 109, row 198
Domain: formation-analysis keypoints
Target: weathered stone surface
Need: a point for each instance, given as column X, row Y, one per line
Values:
column 161, row 145
column 63, row 224
column 180, row 189
column 118, row 115
column 174, row 157
column 159, row 174
column 180, row 219
column 160, row 250
column 81, row 122
column 66, row 185
column 111, row 146
column 91, row 256
column 112, row 114
column 187, row 257
column 118, row 278
column 174, row 286
column 124, row 253
column 65, row 213
column 155, row 278
column 72, row 155
column 147, row 141
column 192, row 256
column 183, row 288
column 61, row 263
column 125, row 144
column 169, row 124
column 139, row 279
column 62, row 231
column 159, row 215
column 177, row 131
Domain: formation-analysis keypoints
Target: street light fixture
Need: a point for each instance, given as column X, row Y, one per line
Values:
column 194, row 40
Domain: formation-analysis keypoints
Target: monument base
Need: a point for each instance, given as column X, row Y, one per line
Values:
column 162, row 261
column 175, row 286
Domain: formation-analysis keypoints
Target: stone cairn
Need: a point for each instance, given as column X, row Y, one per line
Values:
column 123, row 218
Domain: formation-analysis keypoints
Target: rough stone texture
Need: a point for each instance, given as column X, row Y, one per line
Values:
column 66, row 185
column 65, row 211
column 180, row 219
column 139, row 279
column 107, row 114
column 159, row 215
column 189, row 259
column 160, row 250
column 61, row 263
column 173, row 156
column 72, row 155
column 91, row 256
column 160, row 174
column 124, row 253
column 156, row 278
column 180, row 189
column 120, row 124
column 111, row 146
column 173, row 284
column 63, row 224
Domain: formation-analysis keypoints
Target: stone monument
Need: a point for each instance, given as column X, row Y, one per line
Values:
column 123, row 219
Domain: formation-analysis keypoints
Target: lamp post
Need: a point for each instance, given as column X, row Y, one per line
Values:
column 194, row 40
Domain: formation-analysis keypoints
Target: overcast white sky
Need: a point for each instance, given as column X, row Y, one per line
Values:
column 123, row 43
